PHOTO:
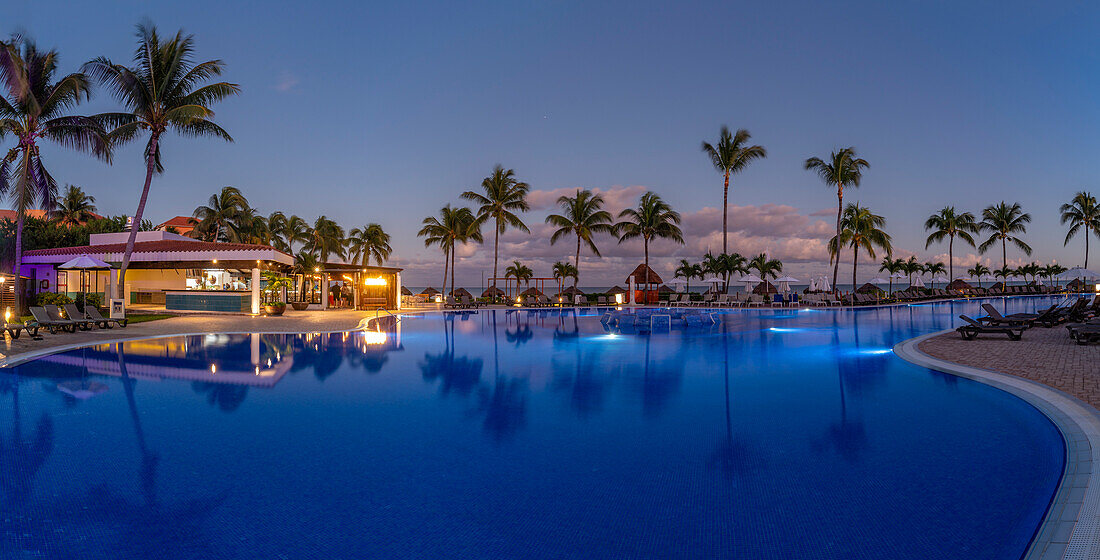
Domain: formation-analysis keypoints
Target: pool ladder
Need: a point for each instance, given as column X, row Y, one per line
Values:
column 380, row 309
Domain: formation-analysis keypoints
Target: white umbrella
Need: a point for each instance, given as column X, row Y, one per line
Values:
column 898, row 275
column 917, row 282
column 824, row 285
column 712, row 280
column 84, row 263
column 677, row 281
column 1077, row 272
column 813, row 284
column 784, row 282
column 749, row 279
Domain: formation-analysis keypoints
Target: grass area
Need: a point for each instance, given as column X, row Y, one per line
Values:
column 132, row 318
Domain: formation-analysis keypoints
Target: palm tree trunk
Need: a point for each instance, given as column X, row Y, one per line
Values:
column 577, row 263
column 19, row 290
column 725, row 207
column 446, row 265
column 839, row 210
column 1004, row 255
column 855, row 257
column 951, row 259
column 1086, row 247
column 645, row 291
column 452, row 272
column 496, row 246
column 150, row 167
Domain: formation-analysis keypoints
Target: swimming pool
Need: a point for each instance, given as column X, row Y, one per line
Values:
column 525, row 434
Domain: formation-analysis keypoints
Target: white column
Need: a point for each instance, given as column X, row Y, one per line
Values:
column 254, row 348
column 255, row 291
column 397, row 290
column 356, row 286
column 631, row 287
column 324, row 290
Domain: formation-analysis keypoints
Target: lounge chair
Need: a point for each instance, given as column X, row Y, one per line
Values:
column 54, row 313
column 14, row 329
column 43, row 320
column 973, row 328
column 601, row 301
column 995, row 318
column 76, row 315
column 92, row 312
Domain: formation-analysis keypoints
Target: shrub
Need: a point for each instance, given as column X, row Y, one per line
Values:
column 50, row 298
column 93, row 299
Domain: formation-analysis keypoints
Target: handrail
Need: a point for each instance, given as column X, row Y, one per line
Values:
column 388, row 312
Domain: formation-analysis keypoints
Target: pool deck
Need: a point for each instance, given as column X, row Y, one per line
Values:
column 1046, row 356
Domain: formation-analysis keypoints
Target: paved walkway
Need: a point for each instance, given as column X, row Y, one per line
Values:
column 1047, row 356
column 306, row 321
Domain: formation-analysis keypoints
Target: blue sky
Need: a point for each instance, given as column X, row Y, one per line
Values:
column 383, row 112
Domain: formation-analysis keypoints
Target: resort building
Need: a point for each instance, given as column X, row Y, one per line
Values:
column 182, row 225
column 178, row 273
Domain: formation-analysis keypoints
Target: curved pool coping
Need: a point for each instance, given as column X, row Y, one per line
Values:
column 1071, row 528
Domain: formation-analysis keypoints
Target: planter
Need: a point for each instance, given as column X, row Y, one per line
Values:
column 300, row 305
column 275, row 308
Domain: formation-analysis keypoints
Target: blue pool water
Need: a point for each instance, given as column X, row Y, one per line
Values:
column 524, row 434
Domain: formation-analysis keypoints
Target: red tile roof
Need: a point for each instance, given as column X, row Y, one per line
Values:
column 164, row 246
column 177, row 222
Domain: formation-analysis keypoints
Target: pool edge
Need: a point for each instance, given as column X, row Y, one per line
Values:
column 1071, row 527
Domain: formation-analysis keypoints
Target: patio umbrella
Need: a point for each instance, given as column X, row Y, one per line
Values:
column 1077, row 272
column 493, row 292
column 679, row 283
column 939, row 279
column 750, row 279
column 917, row 283
column 785, row 283
column 430, row 292
column 84, row 263
column 823, row 284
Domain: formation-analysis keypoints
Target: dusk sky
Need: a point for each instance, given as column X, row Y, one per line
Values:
column 384, row 112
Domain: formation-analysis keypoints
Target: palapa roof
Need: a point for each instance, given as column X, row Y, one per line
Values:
column 493, row 291
column 405, row 291
column 461, row 292
column 958, row 284
column 663, row 289
column 570, row 291
column 615, row 290
column 764, row 288
column 869, row 288
column 644, row 275
column 430, row 291
column 531, row 292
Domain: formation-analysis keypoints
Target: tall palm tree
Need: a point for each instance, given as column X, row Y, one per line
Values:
column 563, row 270
column 730, row 156
column 297, row 231
column 1052, row 270
column 161, row 91
column 932, row 269
column 1082, row 212
column 220, row 211
column 1004, row 222
column 369, row 242
column 893, row 266
column 249, row 227
column 911, row 267
column 1004, row 272
column 842, row 170
column 978, row 271
column 74, row 207
column 35, row 105
column 766, row 268
column 652, row 219
column 583, row 216
column 519, row 271
column 950, row 224
column 860, row 229
column 454, row 225
column 277, row 226
column 305, row 264
column 1031, row 269
column 724, row 265
column 687, row 271
column 326, row 239
column 504, row 197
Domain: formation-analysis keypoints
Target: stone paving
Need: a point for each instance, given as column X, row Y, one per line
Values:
column 1047, row 356
column 303, row 321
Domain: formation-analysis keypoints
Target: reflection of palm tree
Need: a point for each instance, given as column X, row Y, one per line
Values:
column 732, row 456
column 586, row 386
column 522, row 334
column 21, row 459
column 226, row 396
column 504, row 405
column 457, row 375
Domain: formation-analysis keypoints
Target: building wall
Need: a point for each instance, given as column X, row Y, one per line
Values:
column 149, row 280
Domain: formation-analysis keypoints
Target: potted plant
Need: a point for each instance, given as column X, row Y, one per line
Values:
column 273, row 287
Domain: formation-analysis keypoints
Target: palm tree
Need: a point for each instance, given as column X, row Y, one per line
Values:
column 563, row 270
column 843, row 169
column 947, row 223
column 932, row 269
column 766, row 268
column 453, row 225
column 652, row 219
column 504, row 196
column 74, row 207
column 860, row 229
column 296, row 231
column 977, row 271
column 582, row 215
column 1082, row 212
column 326, row 239
column 159, row 93
column 249, row 227
column 36, row 107
column 305, row 264
column 1004, row 222
column 687, row 271
column 219, row 212
column 367, row 243
column 520, row 272
column 1031, row 269
column 911, row 267
column 1004, row 272
column 893, row 266
column 724, row 265
column 729, row 157
column 277, row 227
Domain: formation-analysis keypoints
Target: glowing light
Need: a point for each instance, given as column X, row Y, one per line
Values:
column 374, row 337
column 618, row 298
column 315, row 269
column 213, row 369
column 783, row 329
column 2, row 279
column 374, row 281
column 439, row 298
column 7, row 314
column 215, row 261
column 875, row 351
